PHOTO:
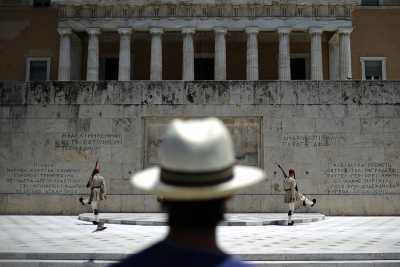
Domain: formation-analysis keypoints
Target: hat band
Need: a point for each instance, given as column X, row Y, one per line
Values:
column 196, row 178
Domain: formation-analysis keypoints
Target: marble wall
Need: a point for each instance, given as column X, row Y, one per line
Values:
column 340, row 137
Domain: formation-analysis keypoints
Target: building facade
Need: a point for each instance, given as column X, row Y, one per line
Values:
column 199, row 40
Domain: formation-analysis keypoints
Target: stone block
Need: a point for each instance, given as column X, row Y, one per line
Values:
column 4, row 111
column 372, row 92
column 217, row 93
column 241, row 93
column 391, row 125
column 340, row 125
column 19, row 112
column 307, row 92
column 84, row 91
column 302, row 125
column 266, row 93
column 195, row 93
column 372, row 125
column 131, row 92
column 106, row 93
column 324, row 111
column 12, row 92
column 330, row 92
column 152, row 95
column 360, row 111
column 288, row 93
column 40, row 93
column 391, row 92
column 352, row 92
column 173, row 93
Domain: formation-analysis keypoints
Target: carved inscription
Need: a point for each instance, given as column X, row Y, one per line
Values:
column 363, row 178
column 87, row 141
column 245, row 133
column 43, row 179
column 312, row 140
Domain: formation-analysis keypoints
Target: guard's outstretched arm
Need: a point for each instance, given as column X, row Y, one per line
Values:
column 283, row 171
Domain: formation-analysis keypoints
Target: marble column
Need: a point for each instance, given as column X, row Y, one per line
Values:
column 316, row 54
column 188, row 54
column 220, row 54
column 124, row 70
column 334, row 57
column 284, row 53
column 92, row 73
column 345, row 54
column 156, row 54
column 252, row 54
column 64, row 62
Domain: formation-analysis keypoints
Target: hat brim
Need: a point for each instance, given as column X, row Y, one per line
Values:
column 243, row 176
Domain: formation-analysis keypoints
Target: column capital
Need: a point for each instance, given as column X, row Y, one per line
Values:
column 250, row 30
column 125, row 31
column 284, row 30
column 345, row 30
column 316, row 30
column 156, row 30
column 188, row 30
column 220, row 30
column 93, row 31
column 64, row 31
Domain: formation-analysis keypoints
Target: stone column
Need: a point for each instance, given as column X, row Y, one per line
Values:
column 316, row 54
column 64, row 62
column 124, row 70
column 92, row 73
column 220, row 54
column 252, row 54
column 188, row 54
column 333, row 58
column 156, row 54
column 284, row 54
column 345, row 54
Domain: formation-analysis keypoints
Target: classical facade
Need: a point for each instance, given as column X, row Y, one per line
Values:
column 206, row 40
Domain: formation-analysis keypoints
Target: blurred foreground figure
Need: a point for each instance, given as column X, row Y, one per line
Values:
column 197, row 174
column 97, row 186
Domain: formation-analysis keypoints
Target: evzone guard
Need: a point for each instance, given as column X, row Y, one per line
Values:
column 292, row 194
column 97, row 186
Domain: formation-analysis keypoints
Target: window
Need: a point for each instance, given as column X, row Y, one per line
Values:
column 370, row 2
column 37, row 69
column 236, row 11
column 373, row 68
column 283, row 11
column 156, row 11
column 315, row 11
column 189, row 11
column 41, row 3
column 332, row 11
column 299, row 12
column 140, row 12
column 267, row 11
column 252, row 12
column 205, row 12
column 172, row 11
column 220, row 12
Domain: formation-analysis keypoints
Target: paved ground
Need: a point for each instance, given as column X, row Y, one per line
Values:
column 355, row 241
column 236, row 219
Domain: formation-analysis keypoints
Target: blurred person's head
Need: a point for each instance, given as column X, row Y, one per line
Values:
column 291, row 173
column 197, row 173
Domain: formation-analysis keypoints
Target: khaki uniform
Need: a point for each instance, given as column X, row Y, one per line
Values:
column 97, row 187
column 291, row 194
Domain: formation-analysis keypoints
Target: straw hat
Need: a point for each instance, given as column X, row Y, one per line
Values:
column 197, row 162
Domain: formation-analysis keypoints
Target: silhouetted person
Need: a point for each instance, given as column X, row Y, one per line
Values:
column 197, row 174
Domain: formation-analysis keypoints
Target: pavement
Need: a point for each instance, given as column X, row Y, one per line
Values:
column 334, row 241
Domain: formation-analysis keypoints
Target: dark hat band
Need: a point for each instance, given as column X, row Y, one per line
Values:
column 196, row 178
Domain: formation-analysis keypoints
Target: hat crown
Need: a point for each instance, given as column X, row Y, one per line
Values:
column 201, row 145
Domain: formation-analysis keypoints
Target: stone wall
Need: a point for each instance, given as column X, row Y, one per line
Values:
column 340, row 137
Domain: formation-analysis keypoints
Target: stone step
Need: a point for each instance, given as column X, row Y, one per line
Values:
column 101, row 263
column 232, row 219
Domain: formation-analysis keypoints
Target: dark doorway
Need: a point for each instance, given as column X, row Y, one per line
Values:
column 111, row 68
column 204, row 69
column 298, row 68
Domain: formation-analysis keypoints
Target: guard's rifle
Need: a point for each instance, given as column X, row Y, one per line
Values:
column 283, row 171
column 92, row 175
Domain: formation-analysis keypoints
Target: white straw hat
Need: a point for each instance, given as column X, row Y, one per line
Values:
column 197, row 162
